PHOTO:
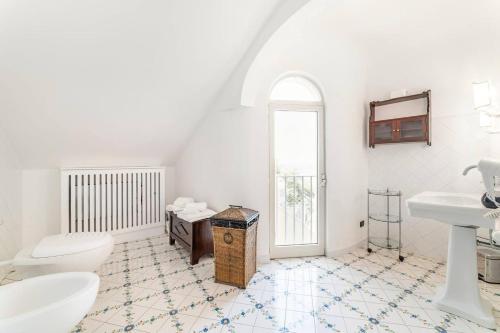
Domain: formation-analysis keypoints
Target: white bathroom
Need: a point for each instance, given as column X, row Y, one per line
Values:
column 249, row 166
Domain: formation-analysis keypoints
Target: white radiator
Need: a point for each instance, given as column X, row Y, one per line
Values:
column 114, row 200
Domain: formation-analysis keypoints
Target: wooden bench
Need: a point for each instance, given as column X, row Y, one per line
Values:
column 196, row 237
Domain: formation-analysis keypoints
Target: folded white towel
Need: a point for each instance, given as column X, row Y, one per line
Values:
column 174, row 208
column 199, row 206
column 182, row 201
column 188, row 211
column 204, row 214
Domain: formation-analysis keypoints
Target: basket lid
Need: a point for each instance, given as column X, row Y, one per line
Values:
column 236, row 213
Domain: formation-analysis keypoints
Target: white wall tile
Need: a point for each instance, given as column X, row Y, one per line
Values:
column 457, row 142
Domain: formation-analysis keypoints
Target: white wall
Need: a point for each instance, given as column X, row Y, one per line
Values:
column 10, row 201
column 169, row 184
column 227, row 160
column 412, row 168
column 41, row 196
column 226, row 163
column 356, row 50
column 41, row 204
column 115, row 80
column 359, row 51
column 445, row 58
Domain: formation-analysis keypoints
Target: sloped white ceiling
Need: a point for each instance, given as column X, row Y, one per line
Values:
column 115, row 82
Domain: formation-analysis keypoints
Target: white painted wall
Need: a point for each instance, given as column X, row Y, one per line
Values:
column 41, row 196
column 103, row 84
column 226, row 163
column 356, row 50
column 120, row 81
column 227, row 160
column 41, row 204
column 170, row 184
column 359, row 51
column 231, row 92
column 447, row 58
column 10, row 201
column 495, row 145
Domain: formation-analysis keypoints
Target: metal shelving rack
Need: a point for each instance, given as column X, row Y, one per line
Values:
column 385, row 242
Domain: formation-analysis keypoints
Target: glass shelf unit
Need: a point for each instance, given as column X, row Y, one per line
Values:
column 385, row 193
column 388, row 217
column 386, row 243
column 385, row 218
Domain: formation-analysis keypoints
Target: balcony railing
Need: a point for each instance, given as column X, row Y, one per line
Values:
column 296, row 210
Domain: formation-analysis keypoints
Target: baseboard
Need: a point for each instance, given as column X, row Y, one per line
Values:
column 359, row 245
column 266, row 258
column 139, row 234
column 4, row 271
column 263, row 259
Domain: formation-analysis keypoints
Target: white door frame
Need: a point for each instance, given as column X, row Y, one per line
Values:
column 309, row 249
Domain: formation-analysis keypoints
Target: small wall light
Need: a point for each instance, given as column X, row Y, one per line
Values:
column 482, row 95
column 488, row 115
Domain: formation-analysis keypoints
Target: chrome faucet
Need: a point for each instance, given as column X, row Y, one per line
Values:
column 469, row 168
column 490, row 169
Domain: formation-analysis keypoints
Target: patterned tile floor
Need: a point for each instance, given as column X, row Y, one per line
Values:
column 149, row 286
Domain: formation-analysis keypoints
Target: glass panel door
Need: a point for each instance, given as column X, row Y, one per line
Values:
column 411, row 128
column 383, row 131
column 297, row 175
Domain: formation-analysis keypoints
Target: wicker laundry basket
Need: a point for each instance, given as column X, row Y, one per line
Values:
column 235, row 238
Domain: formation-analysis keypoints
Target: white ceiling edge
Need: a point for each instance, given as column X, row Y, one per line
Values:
column 231, row 96
column 122, row 83
column 232, row 93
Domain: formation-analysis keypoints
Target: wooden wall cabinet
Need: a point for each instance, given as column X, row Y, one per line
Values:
column 404, row 129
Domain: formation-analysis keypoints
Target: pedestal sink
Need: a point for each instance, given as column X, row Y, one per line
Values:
column 464, row 213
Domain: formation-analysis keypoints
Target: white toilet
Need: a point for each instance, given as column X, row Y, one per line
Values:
column 76, row 252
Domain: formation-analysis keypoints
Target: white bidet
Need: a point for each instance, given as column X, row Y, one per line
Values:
column 51, row 303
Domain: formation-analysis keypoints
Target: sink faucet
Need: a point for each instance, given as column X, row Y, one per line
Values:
column 489, row 169
column 469, row 168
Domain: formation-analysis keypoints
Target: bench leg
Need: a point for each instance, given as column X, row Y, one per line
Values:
column 194, row 259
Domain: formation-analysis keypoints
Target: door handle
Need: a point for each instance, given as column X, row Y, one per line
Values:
column 323, row 180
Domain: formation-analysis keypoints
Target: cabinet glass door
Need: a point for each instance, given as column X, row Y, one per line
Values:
column 383, row 131
column 410, row 129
